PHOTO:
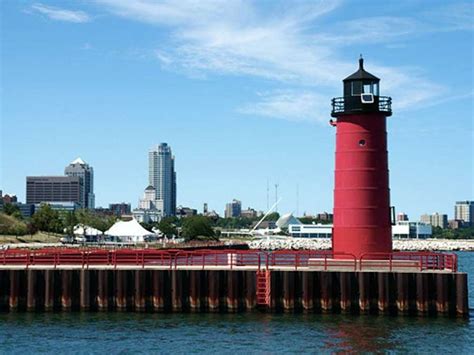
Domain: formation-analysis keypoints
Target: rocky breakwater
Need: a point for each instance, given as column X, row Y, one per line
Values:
column 398, row 244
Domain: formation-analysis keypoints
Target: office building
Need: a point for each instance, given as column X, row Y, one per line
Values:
column 464, row 211
column 402, row 217
column 54, row 189
column 59, row 206
column 162, row 176
column 85, row 172
column 26, row 210
column 233, row 209
column 248, row 213
column 119, row 209
column 324, row 217
column 435, row 219
column 184, row 212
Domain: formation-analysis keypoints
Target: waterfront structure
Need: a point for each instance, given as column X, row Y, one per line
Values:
column 310, row 230
column 162, row 176
column 436, row 219
column 285, row 220
column 401, row 230
column 362, row 213
column 119, row 209
column 85, row 172
column 233, row 209
column 228, row 280
column 413, row 230
column 464, row 211
column 54, row 189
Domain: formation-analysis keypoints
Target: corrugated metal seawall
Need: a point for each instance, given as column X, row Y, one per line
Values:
column 404, row 293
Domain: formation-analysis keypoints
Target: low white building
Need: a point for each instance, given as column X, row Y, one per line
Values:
column 407, row 229
column 402, row 229
column 310, row 230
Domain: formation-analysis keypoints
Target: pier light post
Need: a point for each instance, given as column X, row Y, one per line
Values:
column 362, row 214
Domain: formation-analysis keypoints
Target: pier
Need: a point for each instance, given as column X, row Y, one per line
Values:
column 146, row 280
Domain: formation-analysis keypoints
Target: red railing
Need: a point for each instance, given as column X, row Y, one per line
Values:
column 229, row 258
column 409, row 260
column 324, row 259
column 252, row 259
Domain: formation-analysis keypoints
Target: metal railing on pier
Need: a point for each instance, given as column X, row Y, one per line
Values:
column 230, row 259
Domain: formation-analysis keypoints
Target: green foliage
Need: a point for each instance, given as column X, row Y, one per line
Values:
column 272, row 217
column 461, row 233
column 70, row 221
column 198, row 227
column 48, row 220
column 9, row 225
column 94, row 220
column 234, row 223
column 12, row 210
column 167, row 226
column 147, row 226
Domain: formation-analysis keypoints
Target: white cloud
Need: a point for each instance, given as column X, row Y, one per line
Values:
column 58, row 14
column 291, row 105
column 286, row 43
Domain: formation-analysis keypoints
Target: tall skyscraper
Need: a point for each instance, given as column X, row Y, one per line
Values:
column 464, row 211
column 162, row 177
column 233, row 209
column 86, row 174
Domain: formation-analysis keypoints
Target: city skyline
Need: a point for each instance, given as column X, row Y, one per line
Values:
column 234, row 119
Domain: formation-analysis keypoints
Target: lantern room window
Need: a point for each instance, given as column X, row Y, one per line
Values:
column 356, row 88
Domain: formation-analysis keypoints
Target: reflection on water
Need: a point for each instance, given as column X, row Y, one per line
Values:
column 238, row 333
column 129, row 332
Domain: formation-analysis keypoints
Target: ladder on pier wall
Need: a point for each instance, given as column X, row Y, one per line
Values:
column 263, row 288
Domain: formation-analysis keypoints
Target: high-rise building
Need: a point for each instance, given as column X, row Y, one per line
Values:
column 233, row 209
column 435, row 219
column 54, row 189
column 464, row 211
column 162, row 177
column 86, row 173
column 402, row 217
column 120, row 209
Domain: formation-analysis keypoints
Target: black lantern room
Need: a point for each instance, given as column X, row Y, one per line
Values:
column 361, row 95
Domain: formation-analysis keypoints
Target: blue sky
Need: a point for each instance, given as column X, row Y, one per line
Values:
column 241, row 91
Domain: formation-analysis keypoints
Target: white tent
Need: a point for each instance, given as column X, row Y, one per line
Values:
column 129, row 231
column 81, row 229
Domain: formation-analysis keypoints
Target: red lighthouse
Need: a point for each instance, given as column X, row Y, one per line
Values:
column 362, row 214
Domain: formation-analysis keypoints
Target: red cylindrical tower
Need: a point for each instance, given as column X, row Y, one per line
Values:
column 362, row 214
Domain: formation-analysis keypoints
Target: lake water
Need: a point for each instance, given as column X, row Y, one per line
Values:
column 270, row 333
